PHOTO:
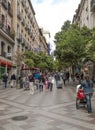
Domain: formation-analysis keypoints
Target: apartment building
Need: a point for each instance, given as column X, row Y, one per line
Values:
column 25, row 26
column 19, row 30
column 27, row 35
column 44, row 45
column 6, row 35
column 85, row 14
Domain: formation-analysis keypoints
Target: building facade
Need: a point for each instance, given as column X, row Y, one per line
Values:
column 6, row 35
column 85, row 14
column 25, row 26
column 19, row 31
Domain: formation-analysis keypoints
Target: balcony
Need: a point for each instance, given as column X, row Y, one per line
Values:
column 10, row 12
column 4, row 4
column 93, row 5
column 29, row 14
column 26, row 9
column 31, row 34
column 23, row 21
column 31, row 20
column 19, row 37
column 23, row 3
column 26, row 27
column 29, row 30
column 26, row 45
column 19, row 15
column 6, row 30
column 23, row 41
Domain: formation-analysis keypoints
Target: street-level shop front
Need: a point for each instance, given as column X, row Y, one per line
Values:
column 5, row 66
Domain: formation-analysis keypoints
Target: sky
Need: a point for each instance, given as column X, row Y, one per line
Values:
column 51, row 14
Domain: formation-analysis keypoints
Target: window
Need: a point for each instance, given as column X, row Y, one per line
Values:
column 9, row 49
column 2, row 49
column 3, row 20
column 86, row 9
column 18, row 29
column 9, row 6
column 87, row 18
column 9, row 29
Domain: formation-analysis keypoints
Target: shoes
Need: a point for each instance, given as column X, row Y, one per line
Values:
column 89, row 111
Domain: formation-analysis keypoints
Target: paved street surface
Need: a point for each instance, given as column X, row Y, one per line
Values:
column 44, row 110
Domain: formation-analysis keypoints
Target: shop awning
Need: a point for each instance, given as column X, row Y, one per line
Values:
column 5, row 62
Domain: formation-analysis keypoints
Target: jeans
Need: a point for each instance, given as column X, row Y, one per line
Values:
column 5, row 84
column 31, row 86
column 88, row 99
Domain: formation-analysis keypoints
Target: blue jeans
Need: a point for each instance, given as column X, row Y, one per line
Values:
column 88, row 99
column 5, row 84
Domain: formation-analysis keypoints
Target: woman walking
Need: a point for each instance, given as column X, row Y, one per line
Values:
column 31, row 84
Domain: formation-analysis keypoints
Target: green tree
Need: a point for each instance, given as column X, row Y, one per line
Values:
column 39, row 60
column 71, row 48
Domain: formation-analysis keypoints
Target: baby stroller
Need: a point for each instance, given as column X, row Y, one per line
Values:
column 80, row 98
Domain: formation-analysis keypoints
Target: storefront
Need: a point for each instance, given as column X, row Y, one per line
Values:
column 5, row 66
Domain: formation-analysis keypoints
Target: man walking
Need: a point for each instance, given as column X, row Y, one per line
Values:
column 4, row 80
column 13, row 80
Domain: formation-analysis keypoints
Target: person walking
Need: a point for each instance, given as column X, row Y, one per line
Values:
column 67, row 76
column 50, row 81
column 31, row 83
column 87, row 86
column 46, row 83
column 64, row 77
column 37, row 76
column 13, row 80
column 41, row 82
column 5, row 80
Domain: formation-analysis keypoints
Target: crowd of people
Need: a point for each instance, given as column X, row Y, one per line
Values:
column 38, row 80
column 42, row 80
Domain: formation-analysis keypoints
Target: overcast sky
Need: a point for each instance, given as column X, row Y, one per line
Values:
column 51, row 14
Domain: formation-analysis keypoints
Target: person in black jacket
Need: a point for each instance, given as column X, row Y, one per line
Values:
column 41, row 82
column 4, row 80
column 13, row 80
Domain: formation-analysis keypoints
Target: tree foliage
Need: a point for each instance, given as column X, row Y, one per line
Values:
column 75, row 44
column 39, row 60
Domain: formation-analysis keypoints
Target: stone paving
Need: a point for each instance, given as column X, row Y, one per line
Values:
column 45, row 110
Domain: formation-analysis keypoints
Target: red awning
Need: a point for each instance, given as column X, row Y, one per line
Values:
column 5, row 62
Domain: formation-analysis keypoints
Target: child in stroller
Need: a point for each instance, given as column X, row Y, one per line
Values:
column 80, row 97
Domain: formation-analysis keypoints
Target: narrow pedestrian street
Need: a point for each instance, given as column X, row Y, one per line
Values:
column 45, row 110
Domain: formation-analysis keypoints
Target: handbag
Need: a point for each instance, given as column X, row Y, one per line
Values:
column 11, row 83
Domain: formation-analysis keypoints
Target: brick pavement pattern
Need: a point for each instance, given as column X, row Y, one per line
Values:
column 45, row 110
